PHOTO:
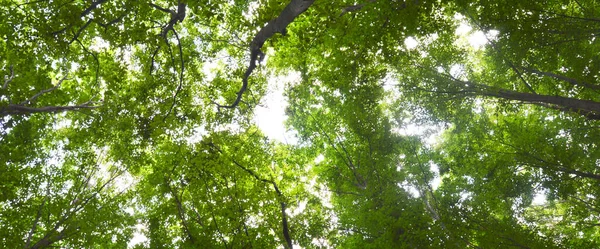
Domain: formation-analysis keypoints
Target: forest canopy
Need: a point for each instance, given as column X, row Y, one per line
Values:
column 299, row 124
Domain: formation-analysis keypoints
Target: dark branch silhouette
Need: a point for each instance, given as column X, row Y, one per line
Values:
column 277, row 25
column 569, row 80
column 24, row 108
column 355, row 7
column 85, row 12
column 176, row 16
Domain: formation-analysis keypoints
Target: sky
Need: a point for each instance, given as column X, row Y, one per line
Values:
column 270, row 115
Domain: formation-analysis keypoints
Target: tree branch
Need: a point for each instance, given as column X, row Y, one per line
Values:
column 509, row 62
column 277, row 25
column 360, row 182
column 75, row 206
column 176, row 16
column 8, row 79
column 286, row 232
column 92, row 7
column 34, row 97
column 587, row 108
column 76, row 36
column 569, row 80
column 180, row 86
column 355, row 7
column 38, row 216
column 25, row 110
column 180, row 210
column 85, row 12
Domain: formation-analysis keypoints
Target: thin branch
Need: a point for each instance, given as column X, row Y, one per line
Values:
column 589, row 19
column 95, row 58
column 495, row 46
column 580, row 6
column 8, row 79
column 569, row 80
column 347, row 160
column 180, row 211
column 162, row 9
column 286, row 232
column 76, row 36
column 114, row 21
column 32, row 2
column 34, row 97
column 85, row 12
column 152, row 59
column 92, row 7
column 242, row 214
column 38, row 216
column 355, row 7
column 214, row 219
column 550, row 165
column 180, row 86
column 75, row 207
column 589, row 206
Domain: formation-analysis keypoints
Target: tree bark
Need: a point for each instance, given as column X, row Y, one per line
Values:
column 277, row 25
column 570, row 103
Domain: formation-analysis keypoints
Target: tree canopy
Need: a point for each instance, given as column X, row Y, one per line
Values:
column 409, row 124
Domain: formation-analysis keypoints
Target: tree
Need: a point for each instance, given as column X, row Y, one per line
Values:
column 123, row 119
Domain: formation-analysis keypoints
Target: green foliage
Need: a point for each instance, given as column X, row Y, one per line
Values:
column 412, row 132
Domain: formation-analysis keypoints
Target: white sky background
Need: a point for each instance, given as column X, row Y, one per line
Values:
column 270, row 114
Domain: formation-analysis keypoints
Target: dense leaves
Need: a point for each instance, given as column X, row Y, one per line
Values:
column 411, row 124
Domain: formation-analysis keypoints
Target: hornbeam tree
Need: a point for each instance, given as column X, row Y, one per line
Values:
column 409, row 124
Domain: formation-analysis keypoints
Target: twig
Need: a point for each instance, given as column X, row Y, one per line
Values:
column 38, row 216
column 512, row 66
column 180, row 86
column 30, row 100
column 355, row 7
column 76, row 36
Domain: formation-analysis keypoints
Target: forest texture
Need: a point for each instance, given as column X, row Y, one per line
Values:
column 411, row 124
